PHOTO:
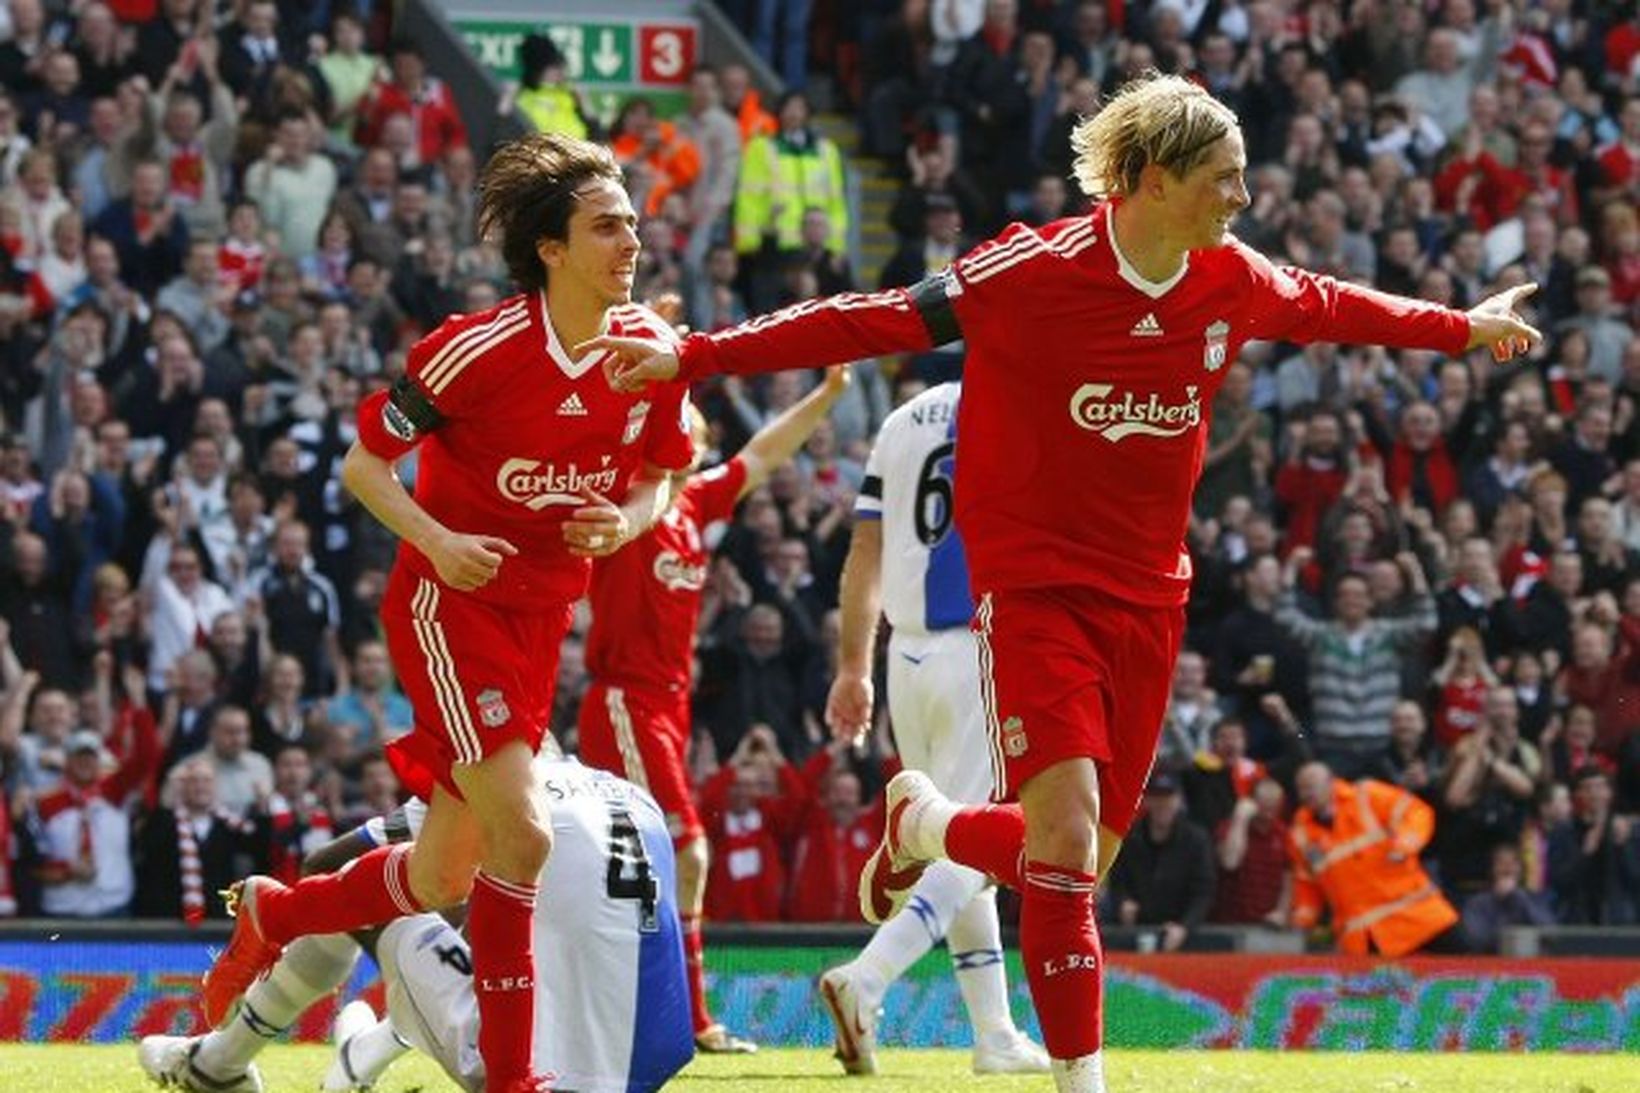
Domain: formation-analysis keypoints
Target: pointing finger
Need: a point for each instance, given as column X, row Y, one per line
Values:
column 591, row 345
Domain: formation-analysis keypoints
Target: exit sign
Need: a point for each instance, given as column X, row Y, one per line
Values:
column 625, row 53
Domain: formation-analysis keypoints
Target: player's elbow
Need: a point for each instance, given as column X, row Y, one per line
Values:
column 353, row 466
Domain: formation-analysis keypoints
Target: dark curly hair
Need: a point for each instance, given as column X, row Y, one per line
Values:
column 528, row 191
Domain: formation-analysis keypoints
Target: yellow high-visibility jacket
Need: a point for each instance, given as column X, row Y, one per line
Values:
column 779, row 179
column 552, row 108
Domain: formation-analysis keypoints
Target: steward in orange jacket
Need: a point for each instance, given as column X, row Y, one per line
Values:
column 670, row 159
column 1354, row 847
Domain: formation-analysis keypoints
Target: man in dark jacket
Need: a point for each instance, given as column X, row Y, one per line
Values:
column 1165, row 874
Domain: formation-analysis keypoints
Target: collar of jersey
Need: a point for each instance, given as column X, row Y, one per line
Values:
column 1154, row 289
column 573, row 369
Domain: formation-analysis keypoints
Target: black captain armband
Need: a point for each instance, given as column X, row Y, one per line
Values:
column 408, row 412
column 932, row 298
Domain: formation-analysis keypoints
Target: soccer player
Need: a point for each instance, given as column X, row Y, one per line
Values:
column 1095, row 345
column 530, row 467
column 906, row 560
column 645, row 602
column 612, row 1010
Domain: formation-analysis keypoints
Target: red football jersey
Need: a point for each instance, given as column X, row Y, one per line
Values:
column 646, row 596
column 1086, row 389
column 512, row 432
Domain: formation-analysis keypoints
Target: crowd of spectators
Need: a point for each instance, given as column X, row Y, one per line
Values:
column 221, row 224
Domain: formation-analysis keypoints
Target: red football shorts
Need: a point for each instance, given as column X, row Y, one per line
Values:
column 1075, row 673
column 477, row 677
column 642, row 734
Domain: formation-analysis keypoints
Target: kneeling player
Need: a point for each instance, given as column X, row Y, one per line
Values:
column 614, row 1015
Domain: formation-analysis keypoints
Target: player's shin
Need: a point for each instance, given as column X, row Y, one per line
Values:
column 989, row 838
column 1065, row 964
column 694, row 959
column 500, row 924
column 975, row 941
column 902, row 940
column 309, row 969
column 692, row 860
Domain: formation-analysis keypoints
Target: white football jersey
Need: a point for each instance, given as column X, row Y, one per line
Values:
column 611, row 997
column 908, row 486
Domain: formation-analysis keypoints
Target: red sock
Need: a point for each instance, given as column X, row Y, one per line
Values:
column 990, row 838
column 500, row 922
column 1064, row 961
column 694, row 959
column 367, row 891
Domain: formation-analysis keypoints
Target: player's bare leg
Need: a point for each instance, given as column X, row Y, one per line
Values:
column 693, row 860
column 1059, row 939
column 515, row 824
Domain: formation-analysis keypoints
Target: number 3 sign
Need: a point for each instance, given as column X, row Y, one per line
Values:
column 666, row 54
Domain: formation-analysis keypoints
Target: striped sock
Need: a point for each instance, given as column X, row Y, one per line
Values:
column 367, row 891
column 694, row 959
column 309, row 969
column 975, row 940
column 501, row 926
column 1064, row 961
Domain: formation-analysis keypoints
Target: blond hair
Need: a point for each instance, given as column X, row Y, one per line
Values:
column 1165, row 120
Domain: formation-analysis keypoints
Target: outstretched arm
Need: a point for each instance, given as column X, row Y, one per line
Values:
column 1302, row 306
column 847, row 327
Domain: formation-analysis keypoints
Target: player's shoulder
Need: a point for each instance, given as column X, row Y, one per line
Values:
column 1226, row 274
column 462, row 341
column 1020, row 248
column 1237, row 260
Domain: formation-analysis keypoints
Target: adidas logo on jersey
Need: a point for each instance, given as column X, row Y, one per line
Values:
column 1146, row 327
column 572, row 406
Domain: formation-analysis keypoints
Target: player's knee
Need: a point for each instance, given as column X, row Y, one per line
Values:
column 520, row 851
column 695, row 855
column 1062, row 816
column 1069, row 838
column 694, row 858
column 439, row 881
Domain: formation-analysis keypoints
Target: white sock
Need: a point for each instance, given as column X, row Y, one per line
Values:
column 1081, row 1075
column 902, row 940
column 371, row 1052
column 310, row 968
column 922, row 829
column 975, row 941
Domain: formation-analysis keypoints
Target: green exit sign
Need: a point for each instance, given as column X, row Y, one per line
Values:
column 637, row 53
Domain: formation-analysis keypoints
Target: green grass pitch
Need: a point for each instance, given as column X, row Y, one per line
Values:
column 77, row 1069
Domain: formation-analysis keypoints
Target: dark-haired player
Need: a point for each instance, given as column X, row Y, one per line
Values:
column 530, row 467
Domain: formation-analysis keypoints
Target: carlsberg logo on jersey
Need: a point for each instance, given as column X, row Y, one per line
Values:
column 678, row 575
column 1097, row 408
column 535, row 487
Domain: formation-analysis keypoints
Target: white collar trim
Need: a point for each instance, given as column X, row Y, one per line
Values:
column 560, row 356
column 1154, row 289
